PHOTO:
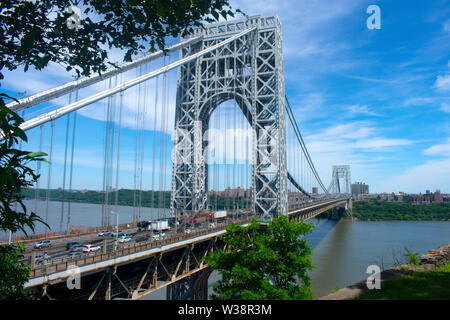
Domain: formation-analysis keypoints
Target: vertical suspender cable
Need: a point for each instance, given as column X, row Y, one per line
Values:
column 216, row 155
column 118, row 151
column 136, row 154
column 141, row 165
column 71, row 164
column 166, row 121
column 161, row 146
column 49, row 178
column 105, row 209
column 64, row 169
column 155, row 114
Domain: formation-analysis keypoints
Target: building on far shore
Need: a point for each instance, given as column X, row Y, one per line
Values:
column 415, row 199
column 359, row 188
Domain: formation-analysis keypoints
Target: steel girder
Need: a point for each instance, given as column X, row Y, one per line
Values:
column 250, row 71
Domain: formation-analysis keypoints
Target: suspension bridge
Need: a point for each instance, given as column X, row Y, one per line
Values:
column 206, row 126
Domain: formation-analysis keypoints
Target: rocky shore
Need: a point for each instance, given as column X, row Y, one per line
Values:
column 429, row 261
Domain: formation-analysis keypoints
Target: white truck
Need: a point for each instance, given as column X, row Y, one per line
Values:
column 158, row 225
column 220, row 214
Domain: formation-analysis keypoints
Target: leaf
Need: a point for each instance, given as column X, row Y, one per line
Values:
column 27, row 41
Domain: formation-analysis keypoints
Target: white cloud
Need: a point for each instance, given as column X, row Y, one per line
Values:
column 443, row 83
column 419, row 101
column 445, row 107
column 364, row 110
column 446, row 25
column 380, row 144
column 442, row 149
column 433, row 174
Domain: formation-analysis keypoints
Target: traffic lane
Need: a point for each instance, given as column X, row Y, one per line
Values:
column 85, row 239
column 60, row 251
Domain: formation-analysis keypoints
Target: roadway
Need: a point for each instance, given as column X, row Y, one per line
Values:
column 126, row 252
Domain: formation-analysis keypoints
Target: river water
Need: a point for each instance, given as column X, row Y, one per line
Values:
column 342, row 250
column 84, row 214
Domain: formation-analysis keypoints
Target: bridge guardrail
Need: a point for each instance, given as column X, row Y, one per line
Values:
column 61, row 264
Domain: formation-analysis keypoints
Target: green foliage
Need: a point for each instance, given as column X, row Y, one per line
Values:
column 15, row 174
column 413, row 258
column 421, row 285
column 334, row 290
column 383, row 210
column 13, row 273
column 264, row 264
column 33, row 33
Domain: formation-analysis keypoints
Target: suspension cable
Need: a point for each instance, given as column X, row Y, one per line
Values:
column 302, row 144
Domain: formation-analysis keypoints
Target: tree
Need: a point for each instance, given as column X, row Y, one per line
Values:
column 269, row 264
column 35, row 33
column 14, row 273
column 14, row 176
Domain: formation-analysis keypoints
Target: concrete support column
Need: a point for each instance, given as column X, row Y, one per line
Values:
column 199, row 286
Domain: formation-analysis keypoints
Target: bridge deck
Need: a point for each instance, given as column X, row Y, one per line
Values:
column 60, row 269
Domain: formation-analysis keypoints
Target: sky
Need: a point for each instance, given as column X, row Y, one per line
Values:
column 375, row 99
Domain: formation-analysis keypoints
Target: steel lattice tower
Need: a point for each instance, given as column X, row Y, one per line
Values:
column 340, row 172
column 249, row 70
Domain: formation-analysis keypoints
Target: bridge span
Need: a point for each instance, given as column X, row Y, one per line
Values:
column 132, row 271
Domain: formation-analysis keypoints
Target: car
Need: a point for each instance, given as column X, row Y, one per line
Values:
column 24, row 259
column 69, row 245
column 141, row 239
column 76, row 247
column 158, row 236
column 75, row 254
column 43, row 244
column 124, row 238
column 104, row 233
column 90, row 248
column 116, row 234
column 39, row 258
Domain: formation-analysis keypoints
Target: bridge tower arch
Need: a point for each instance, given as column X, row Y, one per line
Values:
column 250, row 71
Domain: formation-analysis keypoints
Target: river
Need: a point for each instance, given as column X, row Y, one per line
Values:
column 342, row 250
column 84, row 214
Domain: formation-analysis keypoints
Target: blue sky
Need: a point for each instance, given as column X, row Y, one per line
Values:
column 377, row 100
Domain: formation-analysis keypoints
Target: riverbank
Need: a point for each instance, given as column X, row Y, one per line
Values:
column 429, row 280
column 376, row 210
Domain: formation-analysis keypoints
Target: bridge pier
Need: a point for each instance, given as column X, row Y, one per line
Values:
column 349, row 207
column 194, row 287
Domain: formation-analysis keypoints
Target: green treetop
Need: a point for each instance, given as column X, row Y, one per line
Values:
column 269, row 264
